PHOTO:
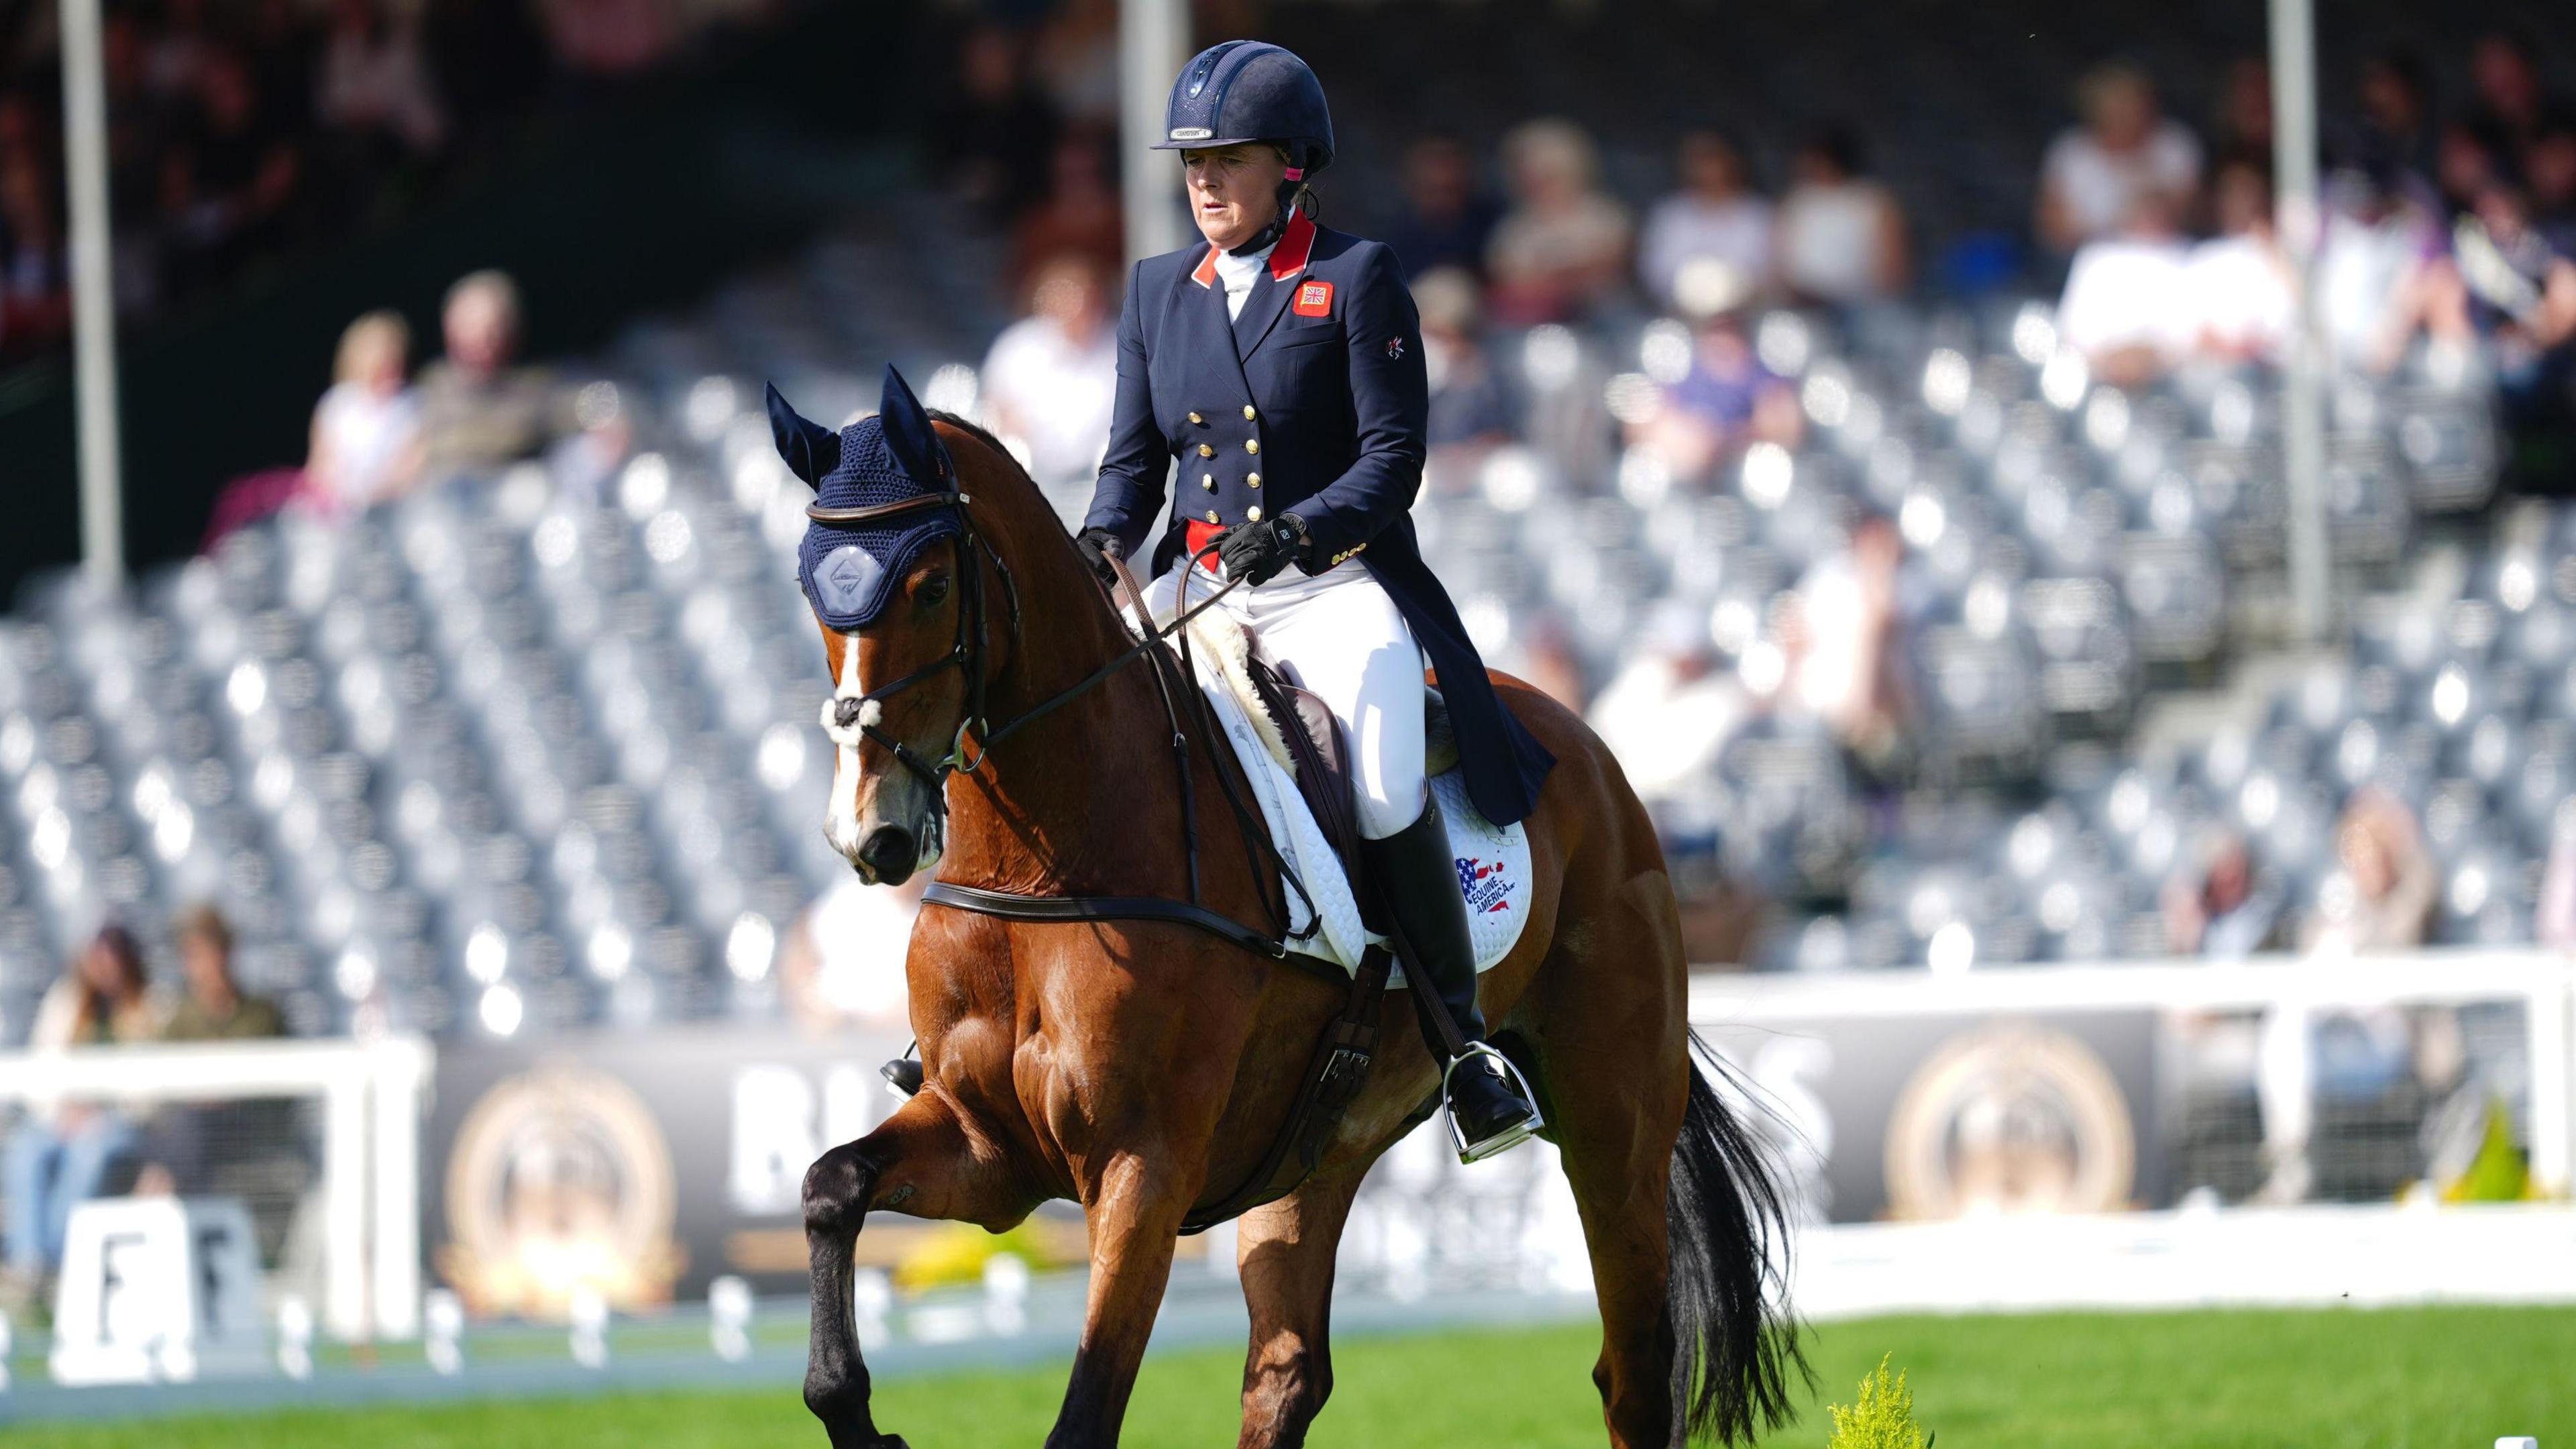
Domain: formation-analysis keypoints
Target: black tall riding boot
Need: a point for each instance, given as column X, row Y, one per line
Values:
column 1417, row 880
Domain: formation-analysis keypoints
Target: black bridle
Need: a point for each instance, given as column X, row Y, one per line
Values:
column 968, row 653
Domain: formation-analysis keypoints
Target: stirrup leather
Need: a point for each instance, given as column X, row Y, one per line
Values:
column 1529, row 1126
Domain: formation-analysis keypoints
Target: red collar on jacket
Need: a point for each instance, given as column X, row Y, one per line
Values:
column 1287, row 259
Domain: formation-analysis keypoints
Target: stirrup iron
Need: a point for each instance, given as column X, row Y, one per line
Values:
column 1529, row 1127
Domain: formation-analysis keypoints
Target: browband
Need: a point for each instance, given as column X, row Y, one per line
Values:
column 848, row 517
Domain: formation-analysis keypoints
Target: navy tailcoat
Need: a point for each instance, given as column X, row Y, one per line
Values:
column 1313, row 402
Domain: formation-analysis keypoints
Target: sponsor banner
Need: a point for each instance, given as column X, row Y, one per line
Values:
column 644, row 1163
column 1910, row 1116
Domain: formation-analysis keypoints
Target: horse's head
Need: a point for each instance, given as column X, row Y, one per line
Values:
column 889, row 568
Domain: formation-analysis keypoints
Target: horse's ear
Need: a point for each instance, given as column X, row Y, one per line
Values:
column 812, row 451
column 908, row 433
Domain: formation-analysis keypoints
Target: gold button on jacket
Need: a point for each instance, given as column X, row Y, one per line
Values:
column 1207, row 450
column 1252, row 445
column 1212, row 518
column 1194, row 417
column 1208, row 481
column 1253, row 514
column 1252, row 478
column 1248, row 414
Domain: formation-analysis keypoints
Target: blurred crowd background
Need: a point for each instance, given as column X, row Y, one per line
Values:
column 1885, row 458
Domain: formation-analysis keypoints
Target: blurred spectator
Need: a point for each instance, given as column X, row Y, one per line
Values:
column 2124, row 307
column 189, row 1148
column 1843, row 638
column 2549, row 168
column 2464, row 167
column 845, row 957
column 992, row 139
column 2375, row 268
column 2090, row 182
column 2241, row 128
column 1471, row 413
column 2508, row 102
column 35, row 282
column 2520, row 295
column 1082, row 214
column 2223, row 909
column 2396, row 136
column 1447, row 219
column 2238, row 283
column 215, row 1007
column 227, row 188
column 1668, row 713
column 478, row 410
column 607, row 37
column 1077, row 62
column 2382, row 893
column 1563, row 248
column 1726, row 401
column 366, row 444
column 1051, row 377
column 62, row 1152
column 1841, row 236
column 1712, row 237
column 374, row 85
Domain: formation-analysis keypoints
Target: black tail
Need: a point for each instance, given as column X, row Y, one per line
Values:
column 1735, row 1343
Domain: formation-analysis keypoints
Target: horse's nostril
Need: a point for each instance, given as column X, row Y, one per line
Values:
column 845, row 711
column 890, row 853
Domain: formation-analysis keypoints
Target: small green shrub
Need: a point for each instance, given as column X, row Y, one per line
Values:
column 2500, row 1172
column 1884, row 1417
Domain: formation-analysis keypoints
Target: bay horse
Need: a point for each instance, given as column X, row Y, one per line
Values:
column 1143, row 1067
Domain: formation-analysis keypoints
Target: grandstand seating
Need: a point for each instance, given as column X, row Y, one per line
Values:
column 503, row 733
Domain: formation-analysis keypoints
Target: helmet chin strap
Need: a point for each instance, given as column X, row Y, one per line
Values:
column 1288, row 186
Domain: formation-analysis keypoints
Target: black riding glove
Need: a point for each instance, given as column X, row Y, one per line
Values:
column 1256, row 552
column 1098, row 547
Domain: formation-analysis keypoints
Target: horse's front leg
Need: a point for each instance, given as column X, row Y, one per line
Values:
column 1285, row 1252
column 922, row 1162
column 1135, row 1215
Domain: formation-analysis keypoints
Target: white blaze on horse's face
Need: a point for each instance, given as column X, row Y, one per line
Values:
column 862, row 800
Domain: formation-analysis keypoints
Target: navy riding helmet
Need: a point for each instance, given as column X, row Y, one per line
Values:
column 1249, row 90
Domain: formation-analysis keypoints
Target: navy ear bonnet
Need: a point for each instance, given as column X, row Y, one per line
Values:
column 850, row 571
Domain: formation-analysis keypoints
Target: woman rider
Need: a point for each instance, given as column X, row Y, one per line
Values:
column 1281, row 365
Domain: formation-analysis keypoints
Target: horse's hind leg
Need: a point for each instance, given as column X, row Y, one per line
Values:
column 1285, row 1253
column 920, row 1162
column 1606, row 1014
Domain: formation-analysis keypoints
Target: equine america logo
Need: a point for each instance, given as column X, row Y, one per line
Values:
column 1485, row 886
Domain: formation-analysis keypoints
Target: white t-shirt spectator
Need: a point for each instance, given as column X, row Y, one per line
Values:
column 2125, row 293
column 861, row 936
column 364, row 441
column 1055, row 393
column 2098, row 187
column 2239, row 289
column 1667, row 730
column 1687, row 228
column 1832, row 240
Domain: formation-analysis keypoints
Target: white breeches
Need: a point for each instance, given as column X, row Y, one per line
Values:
column 1339, row 635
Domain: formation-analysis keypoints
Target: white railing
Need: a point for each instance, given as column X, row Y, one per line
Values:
column 2544, row 983
column 372, row 1096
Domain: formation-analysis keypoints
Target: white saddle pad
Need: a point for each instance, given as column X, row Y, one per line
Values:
column 1493, row 860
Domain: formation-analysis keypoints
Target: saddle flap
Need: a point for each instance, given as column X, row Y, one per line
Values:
column 1439, row 738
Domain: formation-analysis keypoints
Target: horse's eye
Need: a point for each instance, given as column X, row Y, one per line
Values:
column 934, row 589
